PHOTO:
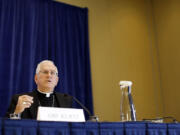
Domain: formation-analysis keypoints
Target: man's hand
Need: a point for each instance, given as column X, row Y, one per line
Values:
column 24, row 102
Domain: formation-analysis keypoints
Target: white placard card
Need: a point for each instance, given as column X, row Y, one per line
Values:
column 60, row 114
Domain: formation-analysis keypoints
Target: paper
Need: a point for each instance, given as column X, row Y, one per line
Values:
column 60, row 114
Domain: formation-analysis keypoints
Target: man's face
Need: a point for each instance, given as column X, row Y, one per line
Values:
column 47, row 77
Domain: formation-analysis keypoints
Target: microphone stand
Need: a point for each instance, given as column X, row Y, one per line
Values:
column 92, row 118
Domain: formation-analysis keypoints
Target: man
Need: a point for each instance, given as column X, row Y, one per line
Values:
column 46, row 78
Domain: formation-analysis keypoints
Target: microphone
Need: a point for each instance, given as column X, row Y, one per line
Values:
column 92, row 118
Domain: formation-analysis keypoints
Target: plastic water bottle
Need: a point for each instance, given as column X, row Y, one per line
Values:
column 127, row 109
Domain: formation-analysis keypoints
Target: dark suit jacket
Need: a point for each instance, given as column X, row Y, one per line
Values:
column 63, row 100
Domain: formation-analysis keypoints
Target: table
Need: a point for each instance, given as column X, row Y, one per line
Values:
column 33, row 127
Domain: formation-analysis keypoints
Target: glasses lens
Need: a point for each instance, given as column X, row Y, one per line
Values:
column 47, row 72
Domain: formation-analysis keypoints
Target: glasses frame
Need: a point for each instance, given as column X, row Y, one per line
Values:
column 46, row 72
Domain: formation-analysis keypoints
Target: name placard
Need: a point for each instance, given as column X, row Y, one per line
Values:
column 60, row 114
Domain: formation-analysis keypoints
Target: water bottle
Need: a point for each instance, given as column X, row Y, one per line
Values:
column 127, row 109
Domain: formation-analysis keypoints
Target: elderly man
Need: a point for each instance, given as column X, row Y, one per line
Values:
column 46, row 78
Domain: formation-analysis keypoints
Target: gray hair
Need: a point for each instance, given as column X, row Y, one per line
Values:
column 44, row 61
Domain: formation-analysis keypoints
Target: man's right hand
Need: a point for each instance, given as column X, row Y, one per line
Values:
column 24, row 102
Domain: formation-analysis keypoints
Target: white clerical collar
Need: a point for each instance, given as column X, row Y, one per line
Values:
column 46, row 93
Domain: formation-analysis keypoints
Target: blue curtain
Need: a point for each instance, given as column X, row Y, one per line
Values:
column 35, row 30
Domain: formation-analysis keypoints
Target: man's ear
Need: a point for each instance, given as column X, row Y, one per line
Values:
column 57, row 79
column 35, row 78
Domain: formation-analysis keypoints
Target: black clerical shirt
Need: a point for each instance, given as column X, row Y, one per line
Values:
column 47, row 101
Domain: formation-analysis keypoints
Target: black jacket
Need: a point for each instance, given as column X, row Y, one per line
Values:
column 63, row 100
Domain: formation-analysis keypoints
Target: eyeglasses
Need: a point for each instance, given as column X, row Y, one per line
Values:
column 46, row 72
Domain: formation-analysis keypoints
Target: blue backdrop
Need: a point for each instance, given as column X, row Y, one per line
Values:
column 35, row 30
